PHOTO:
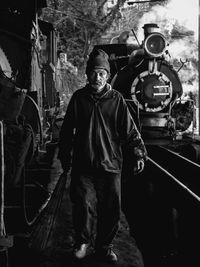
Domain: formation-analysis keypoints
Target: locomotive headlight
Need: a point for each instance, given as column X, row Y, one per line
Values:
column 155, row 44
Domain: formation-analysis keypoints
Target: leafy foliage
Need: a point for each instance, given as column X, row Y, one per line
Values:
column 80, row 24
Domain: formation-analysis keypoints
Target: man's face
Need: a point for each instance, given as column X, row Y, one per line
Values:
column 98, row 78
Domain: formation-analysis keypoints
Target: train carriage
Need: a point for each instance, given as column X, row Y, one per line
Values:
column 28, row 55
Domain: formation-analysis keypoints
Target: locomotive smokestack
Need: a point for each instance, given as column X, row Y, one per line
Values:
column 150, row 28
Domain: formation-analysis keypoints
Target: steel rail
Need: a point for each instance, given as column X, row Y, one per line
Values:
column 178, row 165
column 182, row 185
column 180, row 156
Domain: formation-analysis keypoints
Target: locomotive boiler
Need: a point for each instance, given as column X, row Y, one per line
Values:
column 150, row 84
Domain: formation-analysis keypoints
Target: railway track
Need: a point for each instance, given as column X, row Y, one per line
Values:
column 175, row 187
column 179, row 170
column 163, row 208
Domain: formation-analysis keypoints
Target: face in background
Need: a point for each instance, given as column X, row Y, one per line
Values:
column 98, row 78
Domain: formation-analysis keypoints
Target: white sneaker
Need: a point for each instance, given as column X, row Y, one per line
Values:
column 80, row 251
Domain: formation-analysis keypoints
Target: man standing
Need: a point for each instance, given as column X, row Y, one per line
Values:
column 97, row 124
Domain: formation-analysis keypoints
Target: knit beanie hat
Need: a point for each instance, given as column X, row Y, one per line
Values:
column 98, row 59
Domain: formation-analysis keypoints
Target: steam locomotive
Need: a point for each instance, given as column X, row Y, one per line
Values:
column 150, row 85
column 28, row 101
column 152, row 89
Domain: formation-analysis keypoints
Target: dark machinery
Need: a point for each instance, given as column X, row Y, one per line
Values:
column 28, row 105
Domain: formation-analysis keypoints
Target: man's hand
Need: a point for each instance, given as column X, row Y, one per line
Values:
column 139, row 166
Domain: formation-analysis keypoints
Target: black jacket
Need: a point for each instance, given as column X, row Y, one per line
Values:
column 95, row 129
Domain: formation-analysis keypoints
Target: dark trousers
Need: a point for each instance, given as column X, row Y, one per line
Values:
column 96, row 204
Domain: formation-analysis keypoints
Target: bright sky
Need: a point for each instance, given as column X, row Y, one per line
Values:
column 181, row 11
column 185, row 12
